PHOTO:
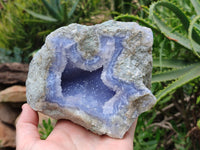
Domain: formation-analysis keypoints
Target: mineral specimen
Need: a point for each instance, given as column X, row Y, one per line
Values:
column 96, row 76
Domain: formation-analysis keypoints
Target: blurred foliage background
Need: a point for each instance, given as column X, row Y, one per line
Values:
column 174, row 121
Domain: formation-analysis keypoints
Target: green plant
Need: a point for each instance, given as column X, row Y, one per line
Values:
column 122, row 6
column 25, row 24
column 158, row 129
column 63, row 12
column 186, row 73
column 4, row 55
column 88, row 8
column 146, row 140
column 176, row 72
column 58, row 13
column 15, row 31
column 187, row 38
column 182, row 143
column 198, row 123
column 198, row 100
column 10, row 56
column 45, row 129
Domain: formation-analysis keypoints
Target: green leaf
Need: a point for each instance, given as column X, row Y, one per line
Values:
column 160, row 52
column 2, row 4
column 198, row 123
column 166, row 30
column 45, row 32
column 39, row 16
column 196, row 5
column 189, row 76
column 46, row 129
column 49, row 122
column 172, row 74
column 36, row 21
column 151, row 143
column 52, row 10
column 170, row 63
column 55, row 4
column 73, row 9
column 17, row 54
column 64, row 12
column 5, row 56
column 45, row 124
column 198, row 100
column 59, row 5
column 197, row 26
column 178, row 12
column 190, row 31
column 137, row 18
column 41, row 132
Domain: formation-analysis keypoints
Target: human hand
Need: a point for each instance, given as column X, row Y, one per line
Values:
column 65, row 136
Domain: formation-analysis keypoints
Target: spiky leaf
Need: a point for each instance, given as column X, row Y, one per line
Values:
column 172, row 74
column 54, row 12
column 73, row 9
column 189, row 76
column 39, row 16
column 192, row 24
column 170, row 63
column 137, row 18
column 196, row 5
column 166, row 30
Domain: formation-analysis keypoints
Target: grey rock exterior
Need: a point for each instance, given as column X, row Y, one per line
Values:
column 96, row 76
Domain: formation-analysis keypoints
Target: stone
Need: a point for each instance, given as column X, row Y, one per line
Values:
column 7, row 136
column 13, row 73
column 14, row 93
column 96, row 76
column 46, row 118
column 8, row 114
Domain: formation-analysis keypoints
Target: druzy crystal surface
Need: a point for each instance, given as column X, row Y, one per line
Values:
column 96, row 76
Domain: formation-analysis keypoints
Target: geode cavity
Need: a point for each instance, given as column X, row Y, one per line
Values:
column 96, row 76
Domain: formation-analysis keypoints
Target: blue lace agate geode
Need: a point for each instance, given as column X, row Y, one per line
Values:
column 96, row 76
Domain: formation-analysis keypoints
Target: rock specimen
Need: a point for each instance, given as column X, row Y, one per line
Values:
column 13, row 73
column 96, row 76
column 15, row 94
column 7, row 114
column 7, row 136
column 11, row 100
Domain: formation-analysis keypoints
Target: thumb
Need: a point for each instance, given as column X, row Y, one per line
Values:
column 26, row 128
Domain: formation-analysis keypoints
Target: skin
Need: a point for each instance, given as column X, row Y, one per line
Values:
column 65, row 136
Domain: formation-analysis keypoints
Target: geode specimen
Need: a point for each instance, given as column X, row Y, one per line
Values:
column 96, row 76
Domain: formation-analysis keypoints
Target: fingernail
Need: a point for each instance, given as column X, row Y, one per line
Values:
column 23, row 106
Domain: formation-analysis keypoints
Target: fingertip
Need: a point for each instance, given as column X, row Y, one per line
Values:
column 27, row 126
column 24, row 106
column 28, row 115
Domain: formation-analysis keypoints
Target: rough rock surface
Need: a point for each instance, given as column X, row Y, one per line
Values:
column 13, row 73
column 96, row 76
column 14, row 93
column 7, row 136
column 7, row 114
